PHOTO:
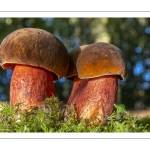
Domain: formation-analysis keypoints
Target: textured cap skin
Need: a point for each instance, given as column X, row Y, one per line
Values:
column 35, row 47
column 101, row 59
column 73, row 56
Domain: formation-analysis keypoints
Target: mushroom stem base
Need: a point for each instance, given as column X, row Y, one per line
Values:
column 30, row 86
column 94, row 98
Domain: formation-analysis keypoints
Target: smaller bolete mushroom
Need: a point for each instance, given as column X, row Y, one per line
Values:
column 37, row 58
column 95, row 85
column 73, row 56
column 72, row 75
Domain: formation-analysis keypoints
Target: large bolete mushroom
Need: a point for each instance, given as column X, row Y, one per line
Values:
column 94, row 92
column 37, row 58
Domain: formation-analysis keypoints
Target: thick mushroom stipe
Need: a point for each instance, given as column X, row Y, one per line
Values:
column 94, row 98
column 30, row 86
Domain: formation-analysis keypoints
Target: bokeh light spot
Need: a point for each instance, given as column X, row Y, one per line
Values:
column 138, row 50
column 147, row 30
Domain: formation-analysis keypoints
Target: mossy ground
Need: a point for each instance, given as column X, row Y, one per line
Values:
column 49, row 118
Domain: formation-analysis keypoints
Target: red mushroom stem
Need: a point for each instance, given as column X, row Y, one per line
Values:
column 94, row 97
column 30, row 86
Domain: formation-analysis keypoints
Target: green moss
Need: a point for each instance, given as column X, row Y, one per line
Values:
column 49, row 118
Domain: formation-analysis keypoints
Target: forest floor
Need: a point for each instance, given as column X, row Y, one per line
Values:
column 140, row 113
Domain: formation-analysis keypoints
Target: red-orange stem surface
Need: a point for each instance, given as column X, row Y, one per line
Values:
column 95, row 97
column 30, row 86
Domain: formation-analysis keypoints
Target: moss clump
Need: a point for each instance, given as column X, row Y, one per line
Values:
column 49, row 118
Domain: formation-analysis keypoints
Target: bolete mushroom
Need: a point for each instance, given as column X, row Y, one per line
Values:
column 72, row 75
column 37, row 58
column 73, row 56
column 94, row 92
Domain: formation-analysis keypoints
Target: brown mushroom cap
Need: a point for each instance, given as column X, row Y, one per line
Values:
column 35, row 47
column 101, row 59
column 73, row 56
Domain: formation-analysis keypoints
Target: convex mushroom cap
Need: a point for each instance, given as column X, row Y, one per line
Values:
column 101, row 59
column 35, row 47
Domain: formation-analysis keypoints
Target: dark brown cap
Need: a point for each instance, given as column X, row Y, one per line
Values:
column 73, row 56
column 35, row 47
column 101, row 59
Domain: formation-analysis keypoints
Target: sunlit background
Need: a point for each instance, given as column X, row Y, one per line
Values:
column 131, row 35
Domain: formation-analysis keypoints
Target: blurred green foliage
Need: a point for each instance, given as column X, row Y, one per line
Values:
column 131, row 35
